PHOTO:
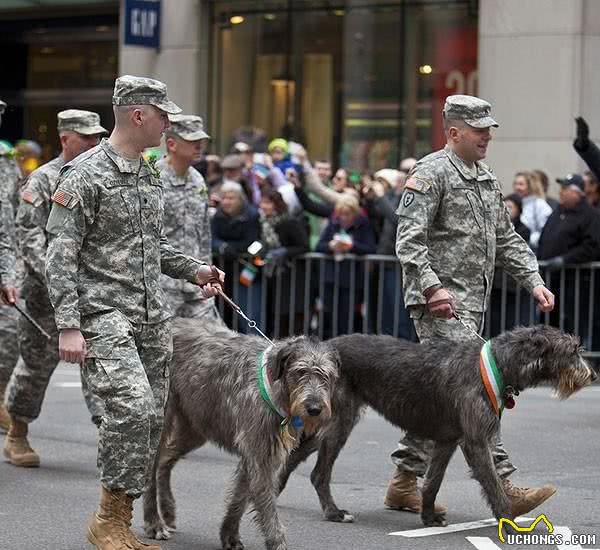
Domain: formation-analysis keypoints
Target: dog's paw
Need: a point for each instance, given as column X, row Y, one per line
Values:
column 434, row 520
column 339, row 516
column 158, row 531
column 232, row 542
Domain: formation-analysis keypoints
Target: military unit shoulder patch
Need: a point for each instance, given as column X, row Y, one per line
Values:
column 64, row 198
column 417, row 184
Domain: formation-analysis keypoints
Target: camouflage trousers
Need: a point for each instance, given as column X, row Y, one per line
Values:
column 412, row 454
column 9, row 347
column 39, row 357
column 183, row 306
column 127, row 367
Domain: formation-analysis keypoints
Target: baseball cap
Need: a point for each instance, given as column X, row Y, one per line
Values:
column 138, row 90
column 188, row 127
column 572, row 180
column 474, row 111
column 86, row 123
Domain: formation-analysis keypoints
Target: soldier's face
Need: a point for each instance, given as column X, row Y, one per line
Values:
column 73, row 144
column 471, row 143
column 155, row 122
column 188, row 151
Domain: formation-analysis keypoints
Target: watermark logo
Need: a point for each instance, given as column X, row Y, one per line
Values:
column 511, row 523
column 523, row 536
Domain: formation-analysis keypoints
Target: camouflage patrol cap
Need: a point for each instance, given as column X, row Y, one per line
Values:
column 86, row 123
column 138, row 90
column 187, row 127
column 474, row 111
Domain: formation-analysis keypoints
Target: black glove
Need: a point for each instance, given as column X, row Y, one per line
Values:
column 555, row 263
column 583, row 134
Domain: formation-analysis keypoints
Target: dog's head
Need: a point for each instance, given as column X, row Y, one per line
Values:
column 308, row 370
column 543, row 354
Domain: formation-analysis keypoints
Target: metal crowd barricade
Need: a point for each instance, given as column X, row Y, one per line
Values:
column 297, row 297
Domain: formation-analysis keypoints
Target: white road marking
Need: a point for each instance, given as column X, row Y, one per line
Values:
column 453, row 528
column 483, row 543
column 67, row 384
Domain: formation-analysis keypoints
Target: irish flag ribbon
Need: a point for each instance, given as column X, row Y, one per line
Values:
column 264, row 384
column 492, row 378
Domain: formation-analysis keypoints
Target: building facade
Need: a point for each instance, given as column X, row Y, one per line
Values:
column 360, row 82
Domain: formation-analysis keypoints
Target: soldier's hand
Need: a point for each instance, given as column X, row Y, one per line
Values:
column 210, row 279
column 544, row 298
column 71, row 346
column 9, row 294
column 583, row 133
column 440, row 303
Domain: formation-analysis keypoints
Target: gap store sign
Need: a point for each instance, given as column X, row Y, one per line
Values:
column 142, row 23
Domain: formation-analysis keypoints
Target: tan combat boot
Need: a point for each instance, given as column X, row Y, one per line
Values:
column 4, row 416
column 126, row 513
column 402, row 494
column 525, row 499
column 106, row 529
column 16, row 447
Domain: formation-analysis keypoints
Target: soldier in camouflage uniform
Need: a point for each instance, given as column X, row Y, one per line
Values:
column 105, row 256
column 8, row 290
column 452, row 229
column 10, row 176
column 78, row 132
column 186, row 219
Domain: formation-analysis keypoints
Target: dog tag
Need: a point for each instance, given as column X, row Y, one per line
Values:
column 509, row 402
column 297, row 422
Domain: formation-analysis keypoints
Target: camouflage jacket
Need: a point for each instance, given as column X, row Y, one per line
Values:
column 107, row 243
column 32, row 217
column 7, row 241
column 452, row 228
column 10, row 176
column 186, row 220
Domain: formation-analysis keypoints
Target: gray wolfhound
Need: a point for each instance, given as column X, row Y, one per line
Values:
column 436, row 390
column 250, row 399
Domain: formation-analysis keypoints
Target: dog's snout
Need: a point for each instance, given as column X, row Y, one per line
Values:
column 313, row 410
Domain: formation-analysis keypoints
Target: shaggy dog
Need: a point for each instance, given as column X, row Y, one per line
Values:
column 436, row 390
column 251, row 399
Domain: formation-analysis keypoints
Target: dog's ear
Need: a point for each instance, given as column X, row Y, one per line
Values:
column 284, row 354
column 337, row 360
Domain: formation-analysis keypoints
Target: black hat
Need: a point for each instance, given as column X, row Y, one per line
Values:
column 514, row 197
column 572, row 180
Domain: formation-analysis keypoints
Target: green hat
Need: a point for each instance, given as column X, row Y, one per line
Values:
column 472, row 110
column 138, row 90
column 86, row 123
column 278, row 142
column 187, row 127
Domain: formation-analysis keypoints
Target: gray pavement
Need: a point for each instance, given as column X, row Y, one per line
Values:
column 550, row 441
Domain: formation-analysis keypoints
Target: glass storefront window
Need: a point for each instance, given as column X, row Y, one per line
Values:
column 359, row 82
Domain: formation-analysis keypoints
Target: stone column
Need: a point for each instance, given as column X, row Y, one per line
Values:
column 182, row 61
column 538, row 67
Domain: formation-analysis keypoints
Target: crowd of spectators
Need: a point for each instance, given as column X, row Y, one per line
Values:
column 273, row 204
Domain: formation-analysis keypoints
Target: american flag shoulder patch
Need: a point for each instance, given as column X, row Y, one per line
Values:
column 64, row 198
column 417, row 184
column 31, row 198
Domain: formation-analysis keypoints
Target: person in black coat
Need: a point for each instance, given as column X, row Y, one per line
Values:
column 348, row 231
column 235, row 226
column 283, row 237
column 504, row 287
column 571, row 236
